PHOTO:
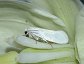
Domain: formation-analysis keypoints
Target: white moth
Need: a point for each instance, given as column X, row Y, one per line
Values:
column 45, row 35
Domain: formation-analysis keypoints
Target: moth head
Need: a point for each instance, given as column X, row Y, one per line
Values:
column 25, row 31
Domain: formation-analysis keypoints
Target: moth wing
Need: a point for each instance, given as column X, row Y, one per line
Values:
column 59, row 37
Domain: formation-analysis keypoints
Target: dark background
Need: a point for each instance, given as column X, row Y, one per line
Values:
column 82, row 1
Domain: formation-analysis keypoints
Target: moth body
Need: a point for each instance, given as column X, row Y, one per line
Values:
column 45, row 35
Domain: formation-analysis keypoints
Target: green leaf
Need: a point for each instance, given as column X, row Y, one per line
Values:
column 80, row 36
column 8, row 58
column 36, row 55
column 14, row 14
column 7, row 30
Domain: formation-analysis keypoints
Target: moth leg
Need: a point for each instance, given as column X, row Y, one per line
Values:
column 34, row 38
column 50, row 44
column 47, row 42
column 27, row 35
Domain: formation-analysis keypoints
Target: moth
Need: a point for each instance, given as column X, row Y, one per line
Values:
column 33, row 34
column 47, row 36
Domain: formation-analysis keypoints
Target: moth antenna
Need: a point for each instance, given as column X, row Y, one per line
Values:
column 34, row 32
column 25, row 31
column 48, row 42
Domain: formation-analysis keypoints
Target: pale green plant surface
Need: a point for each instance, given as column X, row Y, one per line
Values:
column 16, row 15
column 80, row 36
column 8, row 58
